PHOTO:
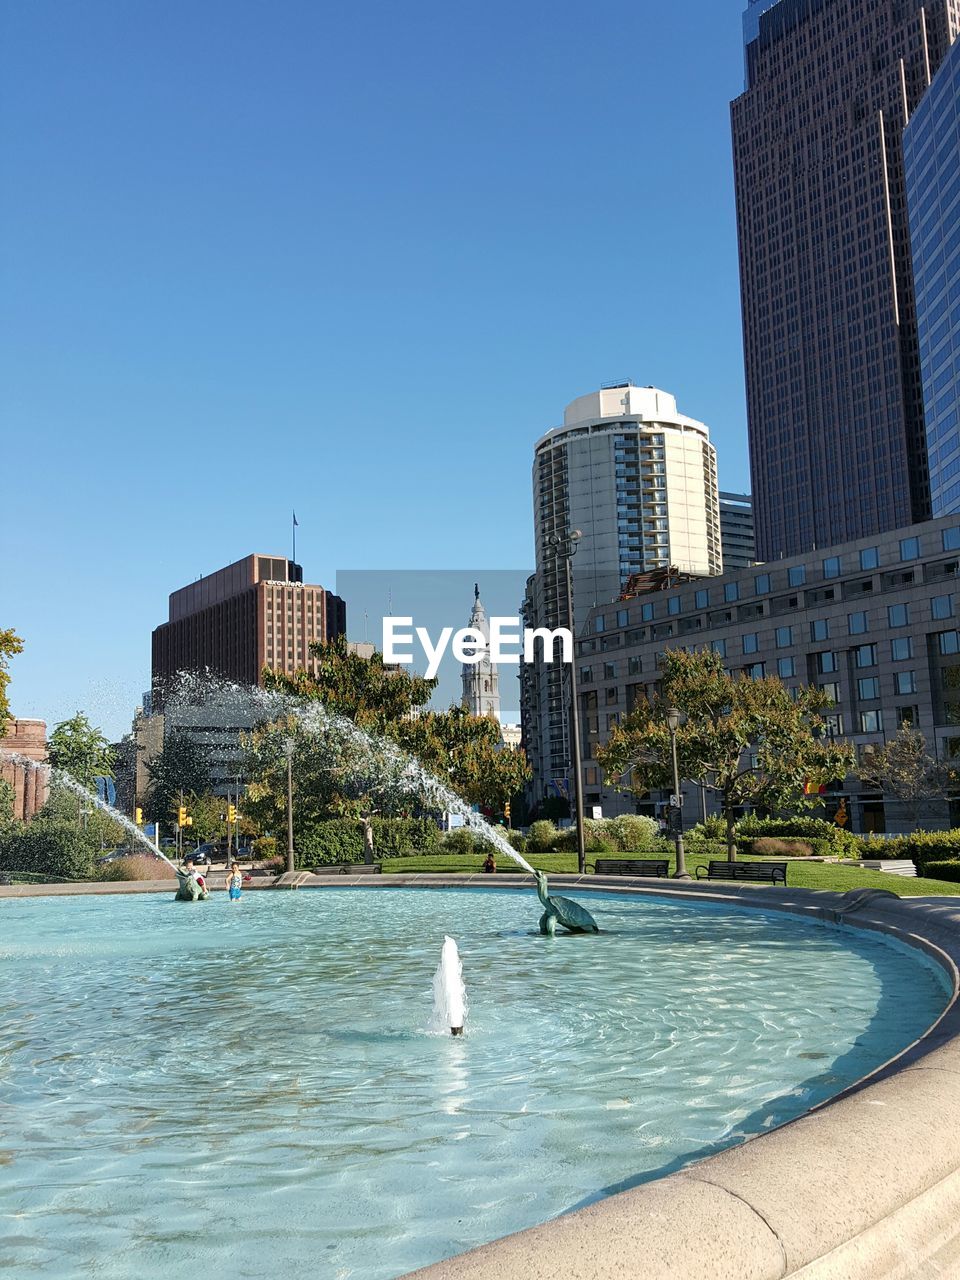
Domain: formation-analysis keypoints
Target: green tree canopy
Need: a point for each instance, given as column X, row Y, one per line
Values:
column 10, row 644
column 361, row 689
column 181, row 768
column 80, row 749
column 749, row 741
column 467, row 753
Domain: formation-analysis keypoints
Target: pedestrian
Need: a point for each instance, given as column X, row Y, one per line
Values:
column 490, row 864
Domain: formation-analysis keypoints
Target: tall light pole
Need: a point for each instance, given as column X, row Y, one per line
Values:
column 289, row 746
column 565, row 548
column 674, row 720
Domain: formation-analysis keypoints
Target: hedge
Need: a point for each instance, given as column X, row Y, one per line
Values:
column 341, row 840
column 948, row 870
column 47, row 846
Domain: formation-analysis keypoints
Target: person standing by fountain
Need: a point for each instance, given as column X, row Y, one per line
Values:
column 234, row 881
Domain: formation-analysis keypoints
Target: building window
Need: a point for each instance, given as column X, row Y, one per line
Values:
column 751, row 642
column 673, row 605
column 833, row 725
column 941, row 607
column 719, row 646
column 633, row 666
column 586, row 675
column 869, row 558
column 856, row 623
column 784, row 637
column 909, row 548
column 797, row 575
column 731, row 592
column 762, row 583
column 951, row 539
column 948, row 642
column 702, row 599
column 901, row 649
column 868, row 688
column 820, row 629
column 831, row 567
column 832, row 691
column 611, row 696
column 871, row 721
column 786, row 667
column 646, row 613
column 622, row 617
column 755, row 672
column 598, row 622
column 826, row 662
column 908, row 715
column 609, row 671
column 866, row 655
column 898, row 615
column 905, row 682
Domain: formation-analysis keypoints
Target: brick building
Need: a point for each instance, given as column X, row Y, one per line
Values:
column 254, row 613
column 30, row 787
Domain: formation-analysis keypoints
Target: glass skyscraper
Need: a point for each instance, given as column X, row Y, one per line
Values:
column 931, row 149
column 834, row 397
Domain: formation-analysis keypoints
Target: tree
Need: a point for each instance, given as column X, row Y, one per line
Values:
column 467, row 753
column 351, row 778
column 182, row 768
column 10, row 644
column 79, row 749
column 903, row 769
column 361, row 689
column 749, row 741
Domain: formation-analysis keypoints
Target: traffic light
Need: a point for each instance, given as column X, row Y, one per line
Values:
column 188, row 822
column 138, row 816
column 231, row 813
column 182, row 816
column 506, row 811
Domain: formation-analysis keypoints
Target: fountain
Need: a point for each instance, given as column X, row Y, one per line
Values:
column 449, row 993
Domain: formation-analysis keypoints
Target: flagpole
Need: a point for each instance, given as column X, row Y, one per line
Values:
column 294, row 537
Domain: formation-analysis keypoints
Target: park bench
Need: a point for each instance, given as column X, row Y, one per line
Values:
column 348, row 869
column 632, row 867
column 762, row 872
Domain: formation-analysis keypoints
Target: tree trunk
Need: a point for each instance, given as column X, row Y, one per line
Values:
column 731, row 839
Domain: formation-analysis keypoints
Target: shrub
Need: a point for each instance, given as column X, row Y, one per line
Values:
column 137, row 868
column 326, row 843
column 460, row 840
column 393, row 836
column 942, row 870
column 517, row 840
column 542, row 836
column 633, row 832
column 770, row 846
column 802, row 826
column 47, row 846
column 924, row 847
column 264, row 847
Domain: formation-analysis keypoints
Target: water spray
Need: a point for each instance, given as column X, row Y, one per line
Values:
column 449, row 993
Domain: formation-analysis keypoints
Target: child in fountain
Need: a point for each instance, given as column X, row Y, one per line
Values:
column 234, row 881
column 191, row 870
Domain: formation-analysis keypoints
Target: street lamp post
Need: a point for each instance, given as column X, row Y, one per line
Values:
column 288, row 747
column 674, row 719
column 565, row 548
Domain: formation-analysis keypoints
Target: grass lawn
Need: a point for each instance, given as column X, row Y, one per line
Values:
column 800, row 875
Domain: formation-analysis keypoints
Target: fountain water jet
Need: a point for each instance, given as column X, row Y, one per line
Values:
column 449, row 993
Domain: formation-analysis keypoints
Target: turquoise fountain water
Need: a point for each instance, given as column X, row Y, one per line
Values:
column 251, row 1091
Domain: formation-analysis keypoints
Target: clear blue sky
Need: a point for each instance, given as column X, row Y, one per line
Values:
column 351, row 259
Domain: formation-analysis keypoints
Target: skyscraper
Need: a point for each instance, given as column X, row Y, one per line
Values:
column 931, row 145
column 254, row 613
column 834, row 401
column 639, row 481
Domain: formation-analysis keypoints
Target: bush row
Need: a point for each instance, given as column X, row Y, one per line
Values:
column 631, row 833
column 942, row 870
column 47, row 846
column 341, row 840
